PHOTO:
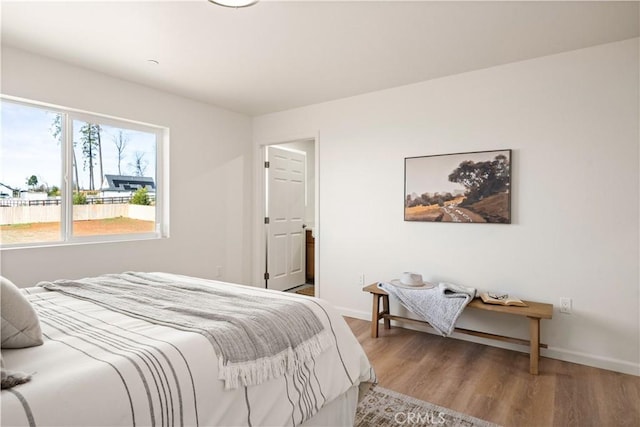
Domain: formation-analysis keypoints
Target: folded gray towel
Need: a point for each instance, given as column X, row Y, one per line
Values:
column 451, row 290
column 432, row 304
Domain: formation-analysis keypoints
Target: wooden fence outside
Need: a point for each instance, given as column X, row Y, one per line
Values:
column 8, row 203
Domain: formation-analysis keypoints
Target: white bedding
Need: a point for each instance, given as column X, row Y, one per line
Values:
column 100, row 367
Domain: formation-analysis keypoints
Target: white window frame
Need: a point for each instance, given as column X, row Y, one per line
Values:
column 66, row 147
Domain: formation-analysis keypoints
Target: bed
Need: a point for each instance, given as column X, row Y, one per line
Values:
column 159, row 349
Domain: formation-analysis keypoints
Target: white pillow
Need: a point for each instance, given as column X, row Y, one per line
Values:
column 20, row 324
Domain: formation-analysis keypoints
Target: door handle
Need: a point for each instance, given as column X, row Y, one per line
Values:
column 304, row 226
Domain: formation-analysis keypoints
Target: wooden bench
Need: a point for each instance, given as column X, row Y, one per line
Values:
column 534, row 312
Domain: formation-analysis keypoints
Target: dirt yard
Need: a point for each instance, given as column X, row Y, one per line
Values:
column 50, row 231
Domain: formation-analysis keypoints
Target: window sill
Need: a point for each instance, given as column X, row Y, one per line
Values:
column 92, row 240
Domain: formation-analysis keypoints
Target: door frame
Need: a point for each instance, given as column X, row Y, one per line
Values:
column 260, row 241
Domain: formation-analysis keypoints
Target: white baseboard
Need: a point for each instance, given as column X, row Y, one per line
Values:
column 592, row 360
column 595, row 361
column 353, row 313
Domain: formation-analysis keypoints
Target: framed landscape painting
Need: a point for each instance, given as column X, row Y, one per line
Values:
column 464, row 187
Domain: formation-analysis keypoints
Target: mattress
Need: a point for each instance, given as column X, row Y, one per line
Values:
column 101, row 367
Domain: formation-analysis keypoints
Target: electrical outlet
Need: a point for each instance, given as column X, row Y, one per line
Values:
column 565, row 305
column 361, row 279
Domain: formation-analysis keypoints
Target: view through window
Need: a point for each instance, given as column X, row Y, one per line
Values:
column 30, row 175
column 111, row 185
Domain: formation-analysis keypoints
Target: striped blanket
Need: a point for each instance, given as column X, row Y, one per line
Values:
column 101, row 367
column 256, row 337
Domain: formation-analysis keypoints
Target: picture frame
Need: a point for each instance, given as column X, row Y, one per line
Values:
column 473, row 187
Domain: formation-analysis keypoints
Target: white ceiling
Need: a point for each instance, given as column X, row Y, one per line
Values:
column 279, row 55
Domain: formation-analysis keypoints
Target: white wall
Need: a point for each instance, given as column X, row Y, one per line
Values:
column 210, row 154
column 572, row 123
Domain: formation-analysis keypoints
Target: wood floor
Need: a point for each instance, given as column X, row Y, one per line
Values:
column 495, row 385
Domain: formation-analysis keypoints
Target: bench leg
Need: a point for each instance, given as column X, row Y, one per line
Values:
column 385, row 309
column 375, row 316
column 534, row 339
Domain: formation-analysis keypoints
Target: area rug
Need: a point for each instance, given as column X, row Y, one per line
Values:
column 382, row 407
column 309, row 291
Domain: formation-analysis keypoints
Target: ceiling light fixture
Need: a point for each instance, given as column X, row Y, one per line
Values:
column 234, row 3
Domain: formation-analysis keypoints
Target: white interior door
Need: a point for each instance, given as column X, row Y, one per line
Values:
column 285, row 212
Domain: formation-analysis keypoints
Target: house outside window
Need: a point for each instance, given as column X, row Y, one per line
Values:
column 75, row 177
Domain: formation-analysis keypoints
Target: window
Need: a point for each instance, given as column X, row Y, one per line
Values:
column 67, row 176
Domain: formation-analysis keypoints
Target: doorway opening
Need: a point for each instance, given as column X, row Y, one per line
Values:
column 290, row 233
